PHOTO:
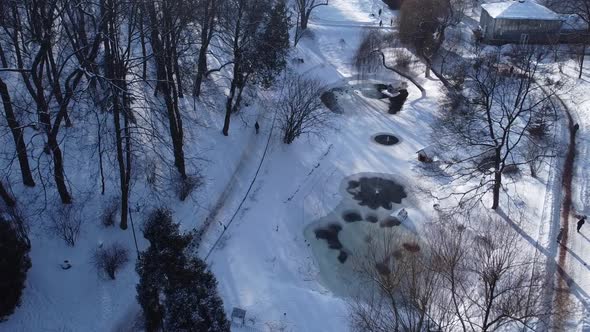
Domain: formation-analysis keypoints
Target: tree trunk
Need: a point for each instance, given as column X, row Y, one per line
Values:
column 582, row 57
column 229, row 107
column 17, row 135
column 121, row 162
column 6, row 197
column 58, row 170
column 304, row 21
column 496, row 188
column 201, row 69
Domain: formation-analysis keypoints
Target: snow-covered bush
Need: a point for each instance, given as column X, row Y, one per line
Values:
column 110, row 259
column 14, row 263
column 176, row 292
column 66, row 223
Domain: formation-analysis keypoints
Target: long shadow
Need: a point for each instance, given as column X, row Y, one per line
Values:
column 585, row 237
column 578, row 258
column 574, row 288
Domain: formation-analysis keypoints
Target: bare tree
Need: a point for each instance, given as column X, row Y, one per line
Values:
column 65, row 223
column 241, row 22
column 17, row 134
column 581, row 9
column 300, row 108
column 168, row 19
column 304, row 9
column 110, row 259
column 208, row 19
column 399, row 290
column 116, row 68
column 492, row 119
column 459, row 277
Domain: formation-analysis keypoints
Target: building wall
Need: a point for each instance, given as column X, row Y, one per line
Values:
column 512, row 30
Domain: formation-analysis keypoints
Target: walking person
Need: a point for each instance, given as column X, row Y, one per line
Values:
column 560, row 235
column 381, row 23
column 257, row 127
column 380, row 10
column 581, row 223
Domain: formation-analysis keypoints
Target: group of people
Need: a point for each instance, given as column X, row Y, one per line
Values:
column 581, row 223
column 381, row 20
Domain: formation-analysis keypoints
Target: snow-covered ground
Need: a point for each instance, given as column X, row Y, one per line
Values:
column 264, row 262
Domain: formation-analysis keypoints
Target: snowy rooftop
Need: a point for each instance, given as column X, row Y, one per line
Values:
column 520, row 9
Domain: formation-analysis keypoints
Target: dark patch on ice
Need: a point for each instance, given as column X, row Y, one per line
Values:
column 371, row 90
column 330, row 234
column 371, row 218
column 382, row 269
column 330, row 99
column 342, row 256
column 390, row 222
column 352, row 216
column 411, row 247
column 386, row 139
column 375, row 192
column 397, row 103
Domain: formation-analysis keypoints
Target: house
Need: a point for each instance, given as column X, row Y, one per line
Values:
column 520, row 21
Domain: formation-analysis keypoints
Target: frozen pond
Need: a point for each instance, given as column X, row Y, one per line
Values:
column 375, row 212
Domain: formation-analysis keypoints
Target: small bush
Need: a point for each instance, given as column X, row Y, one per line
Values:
column 14, row 264
column 65, row 224
column 110, row 259
column 109, row 214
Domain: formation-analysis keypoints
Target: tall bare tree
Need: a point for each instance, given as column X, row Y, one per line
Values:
column 300, row 108
column 207, row 16
column 493, row 119
column 241, row 22
column 167, row 20
column 304, row 9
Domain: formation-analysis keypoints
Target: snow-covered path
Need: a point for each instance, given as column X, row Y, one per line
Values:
column 577, row 248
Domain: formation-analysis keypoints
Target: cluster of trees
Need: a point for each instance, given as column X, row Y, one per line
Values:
column 422, row 24
column 65, row 63
column 176, row 290
column 471, row 276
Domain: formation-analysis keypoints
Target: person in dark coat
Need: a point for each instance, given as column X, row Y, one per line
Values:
column 381, row 23
column 560, row 235
column 380, row 10
column 257, row 127
column 581, row 222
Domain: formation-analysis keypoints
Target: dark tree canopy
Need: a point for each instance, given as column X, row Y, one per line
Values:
column 14, row 264
column 176, row 292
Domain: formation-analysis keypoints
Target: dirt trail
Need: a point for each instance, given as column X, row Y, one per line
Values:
column 562, row 296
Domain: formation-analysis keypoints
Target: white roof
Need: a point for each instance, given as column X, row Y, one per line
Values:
column 520, row 9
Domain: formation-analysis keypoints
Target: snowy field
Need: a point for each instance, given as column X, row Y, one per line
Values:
column 267, row 260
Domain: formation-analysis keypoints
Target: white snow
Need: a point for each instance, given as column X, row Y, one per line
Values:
column 264, row 261
column 520, row 9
